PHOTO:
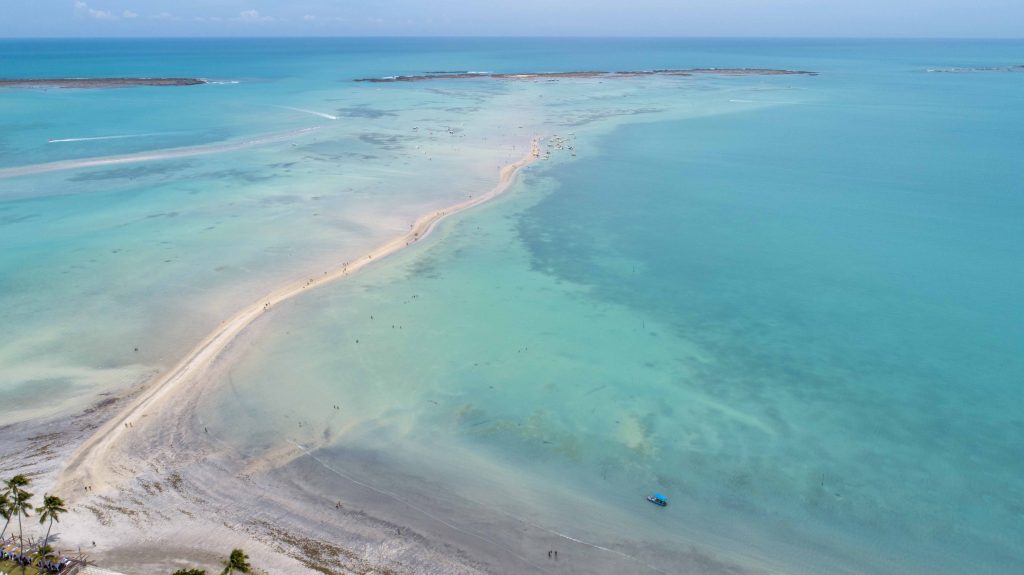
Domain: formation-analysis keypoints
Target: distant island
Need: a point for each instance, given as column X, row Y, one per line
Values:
column 461, row 74
column 96, row 82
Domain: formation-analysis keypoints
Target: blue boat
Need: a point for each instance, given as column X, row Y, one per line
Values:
column 658, row 499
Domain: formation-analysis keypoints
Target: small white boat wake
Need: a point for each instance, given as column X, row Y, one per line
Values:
column 305, row 111
column 119, row 137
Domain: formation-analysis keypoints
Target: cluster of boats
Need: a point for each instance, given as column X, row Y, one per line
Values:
column 559, row 143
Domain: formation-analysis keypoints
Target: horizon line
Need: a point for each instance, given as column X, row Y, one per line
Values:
column 499, row 37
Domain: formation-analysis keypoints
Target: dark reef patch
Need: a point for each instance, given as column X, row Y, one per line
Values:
column 130, row 173
column 586, row 118
column 248, row 176
column 385, row 141
column 971, row 70
column 364, row 112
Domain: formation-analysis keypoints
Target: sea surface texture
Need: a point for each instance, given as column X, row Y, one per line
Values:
column 792, row 304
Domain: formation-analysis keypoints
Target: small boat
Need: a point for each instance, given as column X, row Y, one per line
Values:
column 658, row 499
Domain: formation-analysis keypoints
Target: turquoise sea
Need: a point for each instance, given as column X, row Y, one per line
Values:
column 791, row 303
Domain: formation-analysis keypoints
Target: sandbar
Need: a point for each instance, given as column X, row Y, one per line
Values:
column 95, row 463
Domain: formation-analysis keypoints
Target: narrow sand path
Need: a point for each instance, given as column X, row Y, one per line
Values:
column 95, row 462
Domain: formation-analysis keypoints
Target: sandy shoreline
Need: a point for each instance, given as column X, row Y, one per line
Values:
column 95, row 462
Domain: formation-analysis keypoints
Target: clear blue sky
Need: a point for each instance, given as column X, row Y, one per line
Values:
column 899, row 18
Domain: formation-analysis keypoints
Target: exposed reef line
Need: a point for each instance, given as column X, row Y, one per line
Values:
column 971, row 70
column 590, row 74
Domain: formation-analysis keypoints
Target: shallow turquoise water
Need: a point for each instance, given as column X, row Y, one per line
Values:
column 850, row 304
column 802, row 321
column 790, row 303
column 96, row 262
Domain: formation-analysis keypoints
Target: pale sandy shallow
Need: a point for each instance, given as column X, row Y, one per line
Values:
column 127, row 450
column 93, row 462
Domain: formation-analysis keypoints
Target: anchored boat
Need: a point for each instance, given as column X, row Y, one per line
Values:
column 658, row 499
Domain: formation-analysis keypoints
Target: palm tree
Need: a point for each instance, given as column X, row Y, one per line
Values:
column 11, row 487
column 190, row 572
column 238, row 561
column 18, row 502
column 44, row 553
column 5, row 511
column 51, row 509
column 21, row 506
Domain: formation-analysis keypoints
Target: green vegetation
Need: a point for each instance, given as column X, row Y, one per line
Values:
column 15, row 569
column 237, row 561
column 15, row 501
column 44, row 553
column 5, row 511
column 51, row 509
